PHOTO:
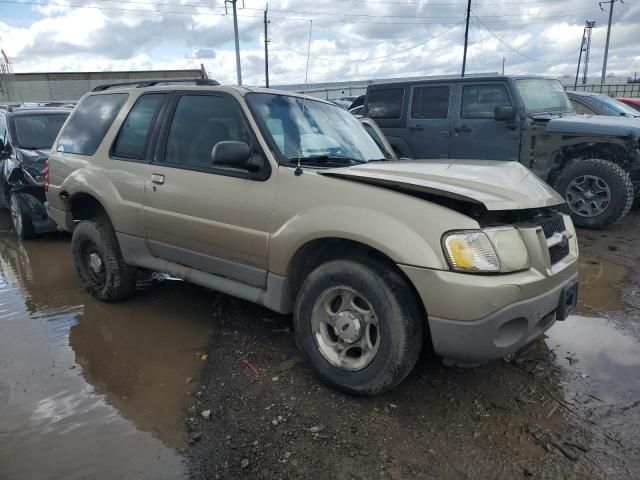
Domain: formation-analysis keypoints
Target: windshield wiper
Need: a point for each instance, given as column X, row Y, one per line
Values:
column 325, row 159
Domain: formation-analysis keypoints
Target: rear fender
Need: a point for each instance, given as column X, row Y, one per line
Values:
column 89, row 181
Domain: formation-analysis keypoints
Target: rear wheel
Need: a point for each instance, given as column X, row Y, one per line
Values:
column 99, row 262
column 598, row 192
column 21, row 218
column 359, row 325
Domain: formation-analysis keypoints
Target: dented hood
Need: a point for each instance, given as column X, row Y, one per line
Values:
column 495, row 185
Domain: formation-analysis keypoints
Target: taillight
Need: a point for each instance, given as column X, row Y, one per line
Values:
column 46, row 176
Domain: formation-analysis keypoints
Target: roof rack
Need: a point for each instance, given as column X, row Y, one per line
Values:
column 152, row 83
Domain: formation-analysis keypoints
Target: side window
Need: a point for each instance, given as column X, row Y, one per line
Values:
column 90, row 122
column 581, row 108
column 199, row 122
column 135, row 131
column 385, row 103
column 480, row 101
column 430, row 102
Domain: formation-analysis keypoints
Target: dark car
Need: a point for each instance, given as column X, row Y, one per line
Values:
column 592, row 161
column 632, row 102
column 588, row 103
column 26, row 136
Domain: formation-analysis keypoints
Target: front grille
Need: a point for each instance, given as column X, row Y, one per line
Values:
column 558, row 252
column 551, row 225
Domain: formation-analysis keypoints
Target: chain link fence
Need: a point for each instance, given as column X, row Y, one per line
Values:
column 628, row 90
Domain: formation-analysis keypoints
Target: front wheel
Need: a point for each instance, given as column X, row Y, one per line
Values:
column 21, row 218
column 99, row 262
column 598, row 192
column 359, row 325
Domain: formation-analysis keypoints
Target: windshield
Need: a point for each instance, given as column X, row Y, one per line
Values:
column 611, row 106
column 540, row 95
column 38, row 131
column 308, row 129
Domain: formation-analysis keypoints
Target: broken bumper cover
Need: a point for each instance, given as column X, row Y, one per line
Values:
column 514, row 311
column 39, row 218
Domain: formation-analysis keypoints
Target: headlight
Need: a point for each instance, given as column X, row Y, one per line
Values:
column 490, row 250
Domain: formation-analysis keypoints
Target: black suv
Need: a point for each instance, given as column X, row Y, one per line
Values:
column 26, row 135
column 593, row 162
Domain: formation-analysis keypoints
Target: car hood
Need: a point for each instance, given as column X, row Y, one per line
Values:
column 495, row 185
column 33, row 159
column 595, row 125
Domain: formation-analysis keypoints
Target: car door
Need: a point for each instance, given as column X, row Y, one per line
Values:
column 428, row 126
column 476, row 133
column 211, row 218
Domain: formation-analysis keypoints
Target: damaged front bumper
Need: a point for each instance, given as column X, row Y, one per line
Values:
column 32, row 197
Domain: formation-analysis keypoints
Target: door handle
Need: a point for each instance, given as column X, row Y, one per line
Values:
column 157, row 178
column 462, row 129
column 416, row 128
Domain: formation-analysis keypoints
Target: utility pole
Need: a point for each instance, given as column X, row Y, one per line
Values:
column 466, row 39
column 266, row 48
column 606, row 47
column 235, row 29
column 585, row 47
column 503, row 62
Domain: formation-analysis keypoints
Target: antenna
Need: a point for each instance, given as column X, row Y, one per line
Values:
column 298, row 171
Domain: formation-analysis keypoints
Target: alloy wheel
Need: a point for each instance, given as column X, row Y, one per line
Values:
column 588, row 195
column 345, row 328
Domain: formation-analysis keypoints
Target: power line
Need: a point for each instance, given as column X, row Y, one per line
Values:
column 297, row 12
column 369, row 58
column 514, row 49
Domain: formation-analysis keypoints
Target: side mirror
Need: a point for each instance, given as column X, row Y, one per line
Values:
column 503, row 113
column 231, row 154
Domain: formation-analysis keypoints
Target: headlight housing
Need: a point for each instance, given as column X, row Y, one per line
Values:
column 493, row 250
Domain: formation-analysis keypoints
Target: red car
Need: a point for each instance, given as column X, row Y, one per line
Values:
column 633, row 102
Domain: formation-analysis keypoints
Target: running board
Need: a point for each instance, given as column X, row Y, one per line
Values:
column 274, row 297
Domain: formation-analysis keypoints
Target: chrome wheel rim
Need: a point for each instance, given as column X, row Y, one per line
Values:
column 94, row 265
column 16, row 214
column 588, row 196
column 345, row 328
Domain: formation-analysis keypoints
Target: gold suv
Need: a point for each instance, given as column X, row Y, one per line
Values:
column 292, row 203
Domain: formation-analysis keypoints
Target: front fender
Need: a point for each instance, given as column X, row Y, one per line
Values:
column 377, row 230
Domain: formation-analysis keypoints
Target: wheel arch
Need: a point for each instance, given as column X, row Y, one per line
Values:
column 321, row 250
column 83, row 206
column 614, row 151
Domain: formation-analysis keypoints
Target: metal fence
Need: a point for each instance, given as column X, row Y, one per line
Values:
column 620, row 90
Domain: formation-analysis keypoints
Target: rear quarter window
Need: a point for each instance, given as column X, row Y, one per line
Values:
column 385, row 103
column 89, row 123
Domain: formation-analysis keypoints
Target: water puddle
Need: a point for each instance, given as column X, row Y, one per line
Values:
column 600, row 287
column 89, row 390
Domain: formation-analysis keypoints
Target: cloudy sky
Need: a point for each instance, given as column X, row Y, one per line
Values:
column 351, row 39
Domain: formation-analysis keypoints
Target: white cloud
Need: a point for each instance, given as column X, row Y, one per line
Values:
column 109, row 38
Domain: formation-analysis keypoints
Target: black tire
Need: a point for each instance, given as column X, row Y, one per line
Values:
column 398, row 314
column 618, row 181
column 111, row 279
column 21, row 218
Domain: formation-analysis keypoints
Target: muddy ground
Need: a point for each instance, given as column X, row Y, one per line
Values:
column 89, row 390
column 567, row 406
